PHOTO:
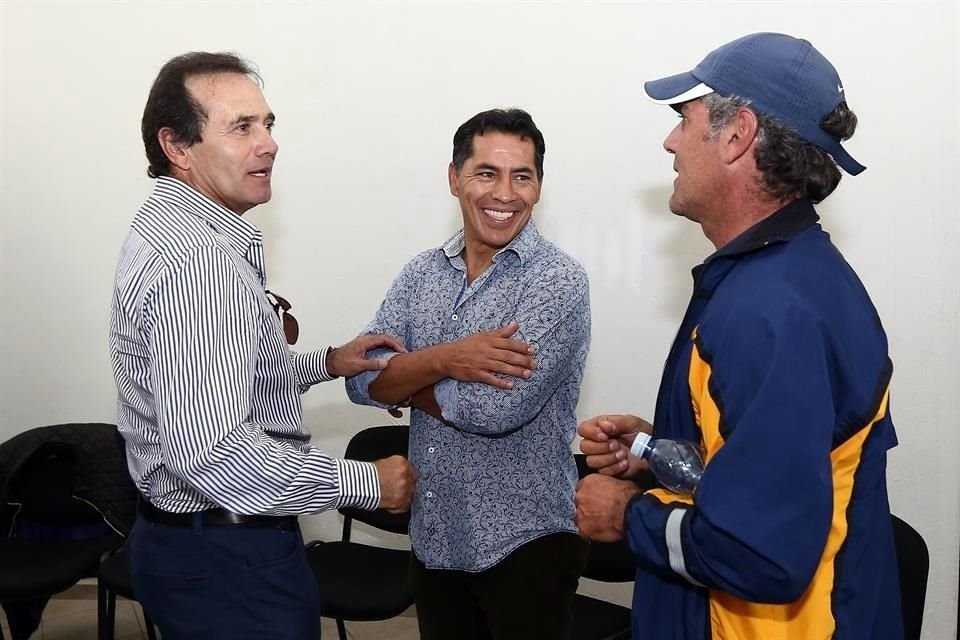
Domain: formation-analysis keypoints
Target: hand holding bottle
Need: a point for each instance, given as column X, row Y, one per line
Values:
column 606, row 443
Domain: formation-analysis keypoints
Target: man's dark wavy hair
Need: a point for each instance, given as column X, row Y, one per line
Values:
column 513, row 121
column 170, row 104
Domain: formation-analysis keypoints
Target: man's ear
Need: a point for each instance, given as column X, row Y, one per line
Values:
column 452, row 179
column 740, row 134
column 175, row 151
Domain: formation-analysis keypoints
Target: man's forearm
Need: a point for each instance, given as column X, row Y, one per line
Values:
column 408, row 373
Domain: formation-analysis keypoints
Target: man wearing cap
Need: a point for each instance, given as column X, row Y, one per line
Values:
column 779, row 371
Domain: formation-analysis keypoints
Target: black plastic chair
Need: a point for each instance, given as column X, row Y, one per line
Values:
column 360, row 582
column 595, row 619
column 35, row 568
column 113, row 579
column 913, row 564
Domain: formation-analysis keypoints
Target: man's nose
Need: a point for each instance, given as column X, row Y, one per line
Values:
column 266, row 145
column 669, row 143
column 503, row 189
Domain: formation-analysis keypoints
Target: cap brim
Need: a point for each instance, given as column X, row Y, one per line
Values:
column 846, row 161
column 682, row 87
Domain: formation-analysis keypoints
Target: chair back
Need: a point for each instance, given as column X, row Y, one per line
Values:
column 913, row 563
column 100, row 475
column 43, row 485
column 372, row 444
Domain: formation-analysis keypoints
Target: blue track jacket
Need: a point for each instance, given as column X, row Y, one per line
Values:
column 780, row 370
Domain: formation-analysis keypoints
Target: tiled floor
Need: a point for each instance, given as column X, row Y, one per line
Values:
column 72, row 615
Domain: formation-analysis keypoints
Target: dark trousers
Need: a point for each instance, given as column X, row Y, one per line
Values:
column 526, row 596
column 236, row 582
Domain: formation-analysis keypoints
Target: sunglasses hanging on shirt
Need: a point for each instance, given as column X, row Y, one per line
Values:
column 291, row 329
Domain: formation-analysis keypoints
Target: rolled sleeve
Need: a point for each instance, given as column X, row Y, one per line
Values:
column 358, row 386
column 446, row 394
column 559, row 328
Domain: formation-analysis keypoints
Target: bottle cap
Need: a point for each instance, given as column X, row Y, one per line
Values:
column 640, row 446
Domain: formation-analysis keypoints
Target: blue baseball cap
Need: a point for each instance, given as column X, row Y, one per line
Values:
column 783, row 77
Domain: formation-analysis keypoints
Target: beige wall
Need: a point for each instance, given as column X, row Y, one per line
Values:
column 368, row 96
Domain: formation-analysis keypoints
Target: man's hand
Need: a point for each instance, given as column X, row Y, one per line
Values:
column 601, row 502
column 607, row 440
column 350, row 359
column 398, row 480
column 479, row 357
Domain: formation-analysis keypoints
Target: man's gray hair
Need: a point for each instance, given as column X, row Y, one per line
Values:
column 791, row 168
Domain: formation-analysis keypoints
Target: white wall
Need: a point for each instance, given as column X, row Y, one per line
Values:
column 368, row 97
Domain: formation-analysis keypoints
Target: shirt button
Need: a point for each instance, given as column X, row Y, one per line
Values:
column 431, row 450
column 454, row 317
column 429, row 494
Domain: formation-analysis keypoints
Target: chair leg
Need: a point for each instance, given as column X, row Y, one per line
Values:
column 341, row 629
column 103, row 632
column 148, row 623
column 106, row 613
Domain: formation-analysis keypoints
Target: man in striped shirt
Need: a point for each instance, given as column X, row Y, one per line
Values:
column 208, row 390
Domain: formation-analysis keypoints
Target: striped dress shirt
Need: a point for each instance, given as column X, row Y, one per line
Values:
column 208, row 390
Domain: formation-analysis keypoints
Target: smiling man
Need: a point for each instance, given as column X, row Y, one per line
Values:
column 209, row 391
column 497, row 325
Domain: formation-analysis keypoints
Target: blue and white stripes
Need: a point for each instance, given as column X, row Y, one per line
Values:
column 208, row 390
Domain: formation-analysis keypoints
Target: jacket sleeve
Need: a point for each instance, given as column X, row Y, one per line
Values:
column 760, row 389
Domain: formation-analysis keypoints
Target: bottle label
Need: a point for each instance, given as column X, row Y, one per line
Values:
column 640, row 444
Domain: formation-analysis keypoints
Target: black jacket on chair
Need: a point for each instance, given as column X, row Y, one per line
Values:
column 73, row 500
column 101, row 478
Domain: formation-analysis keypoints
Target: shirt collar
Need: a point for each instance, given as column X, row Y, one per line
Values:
column 239, row 233
column 781, row 226
column 523, row 246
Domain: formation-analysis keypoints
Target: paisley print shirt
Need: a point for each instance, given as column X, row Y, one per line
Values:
column 501, row 473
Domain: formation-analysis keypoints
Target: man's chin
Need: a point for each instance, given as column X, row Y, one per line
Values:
column 674, row 206
column 680, row 211
column 262, row 198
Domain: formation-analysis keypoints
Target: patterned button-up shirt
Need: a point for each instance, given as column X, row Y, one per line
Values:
column 501, row 473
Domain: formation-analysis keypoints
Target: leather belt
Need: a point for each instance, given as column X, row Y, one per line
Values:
column 211, row 518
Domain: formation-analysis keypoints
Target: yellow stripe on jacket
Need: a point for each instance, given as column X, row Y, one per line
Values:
column 810, row 617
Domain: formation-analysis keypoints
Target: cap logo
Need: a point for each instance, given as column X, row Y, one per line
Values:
column 840, row 88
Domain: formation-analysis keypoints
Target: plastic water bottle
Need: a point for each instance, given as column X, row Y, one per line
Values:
column 676, row 464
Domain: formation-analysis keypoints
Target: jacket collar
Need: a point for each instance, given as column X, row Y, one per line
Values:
column 781, row 226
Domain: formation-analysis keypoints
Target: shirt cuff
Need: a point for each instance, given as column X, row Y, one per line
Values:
column 359, row 485
column 311, row 367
